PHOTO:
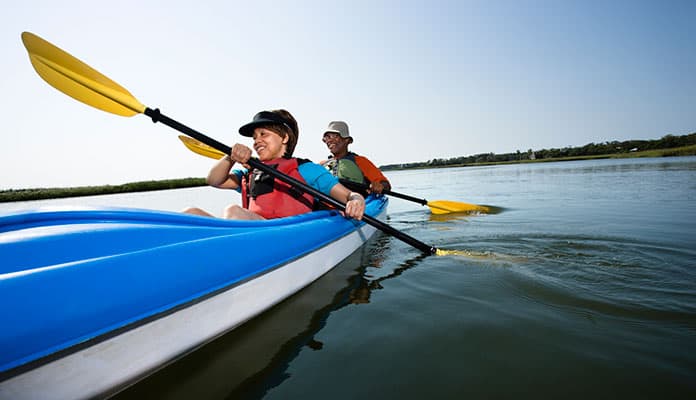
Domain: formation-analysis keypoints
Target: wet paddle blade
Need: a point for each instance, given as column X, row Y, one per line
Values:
column 201, row 148
column 447, row 206
column 461, row 253
column 77, row 79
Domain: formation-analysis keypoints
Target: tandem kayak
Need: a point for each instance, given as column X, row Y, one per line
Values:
column 96, row 299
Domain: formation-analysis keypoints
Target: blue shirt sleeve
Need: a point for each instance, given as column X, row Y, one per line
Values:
column 239, row 173
column 317, row 177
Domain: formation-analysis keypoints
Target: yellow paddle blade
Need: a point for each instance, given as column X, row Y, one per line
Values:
column 486, row 255
column 77, row 79
column 201, row 148
column 447, row 206
column 442, row 252
column 461, row 253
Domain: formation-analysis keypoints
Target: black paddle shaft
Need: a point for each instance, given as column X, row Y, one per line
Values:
column 362, row 186
column 159, row 117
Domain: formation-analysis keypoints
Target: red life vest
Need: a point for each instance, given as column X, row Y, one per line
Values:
column 272, row 198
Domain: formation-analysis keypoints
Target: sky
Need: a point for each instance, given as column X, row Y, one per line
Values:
column 415, row 80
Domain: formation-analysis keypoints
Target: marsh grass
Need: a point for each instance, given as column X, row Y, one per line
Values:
column 56, row 193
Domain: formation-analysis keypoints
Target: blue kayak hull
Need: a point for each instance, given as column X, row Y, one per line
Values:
column 102, row 297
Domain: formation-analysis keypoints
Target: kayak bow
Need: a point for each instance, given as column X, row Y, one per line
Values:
column 101, row 298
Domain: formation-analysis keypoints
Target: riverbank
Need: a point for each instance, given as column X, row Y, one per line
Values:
column 671, row 152
column 55, row 193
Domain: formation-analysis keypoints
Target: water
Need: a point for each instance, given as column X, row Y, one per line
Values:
column 583, row 286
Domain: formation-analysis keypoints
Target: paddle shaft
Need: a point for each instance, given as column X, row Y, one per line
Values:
column 159, row 117
column 363, row 186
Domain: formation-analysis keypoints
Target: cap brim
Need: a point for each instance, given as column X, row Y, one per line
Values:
column 248, row 129
column 338, row 133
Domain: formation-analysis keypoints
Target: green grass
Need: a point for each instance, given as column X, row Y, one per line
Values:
column 55, row 193
column 674, row 152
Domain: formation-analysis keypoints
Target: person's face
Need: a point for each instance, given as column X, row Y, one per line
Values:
column 268, row 144
column 335, row 143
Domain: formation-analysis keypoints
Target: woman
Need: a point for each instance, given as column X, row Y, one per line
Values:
column 275, row 136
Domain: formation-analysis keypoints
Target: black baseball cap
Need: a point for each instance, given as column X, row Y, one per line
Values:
column 264, row 118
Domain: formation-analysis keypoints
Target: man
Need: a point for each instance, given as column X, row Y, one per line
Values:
column 349, row 166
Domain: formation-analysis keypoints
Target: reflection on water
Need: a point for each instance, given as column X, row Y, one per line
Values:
column 367, row 283
column 271, row 337
column 253, row 359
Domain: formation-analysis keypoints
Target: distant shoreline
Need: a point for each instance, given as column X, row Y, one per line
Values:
column 682, row 151
column 13, row 195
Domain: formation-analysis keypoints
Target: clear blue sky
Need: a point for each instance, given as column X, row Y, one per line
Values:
column 414, row 80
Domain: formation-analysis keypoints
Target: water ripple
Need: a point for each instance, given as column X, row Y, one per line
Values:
column 608, row 275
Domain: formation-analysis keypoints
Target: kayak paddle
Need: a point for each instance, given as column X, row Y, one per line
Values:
column 85, row 84
column 201, row 148
column 436, row 207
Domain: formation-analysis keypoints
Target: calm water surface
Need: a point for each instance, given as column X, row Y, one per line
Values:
column 583, row 286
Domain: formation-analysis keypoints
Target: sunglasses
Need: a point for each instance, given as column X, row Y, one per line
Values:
column 330, row 136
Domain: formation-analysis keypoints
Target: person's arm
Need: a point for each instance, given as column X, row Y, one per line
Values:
column 378, row 182
column 355, row 203
column 319, row 178
column 220, row 176
column 379, row 186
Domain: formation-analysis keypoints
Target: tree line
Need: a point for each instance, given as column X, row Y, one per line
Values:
column 590, row 149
